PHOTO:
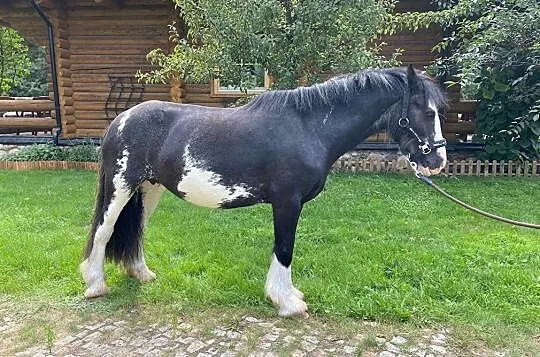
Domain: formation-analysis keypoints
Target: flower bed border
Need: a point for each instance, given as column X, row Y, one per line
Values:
column 48, row 165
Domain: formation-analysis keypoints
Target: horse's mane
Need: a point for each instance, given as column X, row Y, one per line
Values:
column 341, row 89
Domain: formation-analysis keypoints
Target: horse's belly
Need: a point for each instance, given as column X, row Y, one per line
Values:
column 206, row 188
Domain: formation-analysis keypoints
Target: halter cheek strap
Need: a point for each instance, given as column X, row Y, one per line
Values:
column 425, row 146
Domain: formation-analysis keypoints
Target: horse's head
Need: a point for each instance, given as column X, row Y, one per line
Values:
column 418, row 129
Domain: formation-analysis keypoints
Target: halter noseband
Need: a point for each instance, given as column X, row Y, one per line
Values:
column 425, row 146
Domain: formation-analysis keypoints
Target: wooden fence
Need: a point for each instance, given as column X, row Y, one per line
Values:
column 348, row 163
column 354, row 163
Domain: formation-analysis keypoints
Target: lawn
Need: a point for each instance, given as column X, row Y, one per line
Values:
column 371, row 247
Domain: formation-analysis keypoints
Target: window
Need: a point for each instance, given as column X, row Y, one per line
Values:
column 258, row 80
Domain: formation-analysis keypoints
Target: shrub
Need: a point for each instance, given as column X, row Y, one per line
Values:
column 83, row 153
column 49, row 152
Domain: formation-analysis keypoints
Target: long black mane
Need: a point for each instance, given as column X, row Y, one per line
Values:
column 341, row 89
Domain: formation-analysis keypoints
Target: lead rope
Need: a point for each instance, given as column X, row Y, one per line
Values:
column 429, row 182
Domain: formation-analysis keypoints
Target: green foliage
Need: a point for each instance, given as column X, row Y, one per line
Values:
column 14, row 61
column 49, row 152
column 493, row 48
column 84, row 153
column 36, row 84
column 525, row 133
column 40, row 152
column 296, row 42
column 187, row 62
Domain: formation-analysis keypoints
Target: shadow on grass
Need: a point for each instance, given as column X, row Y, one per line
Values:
column 124, row 293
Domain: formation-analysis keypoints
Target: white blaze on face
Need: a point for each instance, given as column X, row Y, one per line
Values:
column 441, row 152
column 204, row 188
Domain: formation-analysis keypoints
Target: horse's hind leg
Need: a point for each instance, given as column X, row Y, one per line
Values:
column 150, row 193
column 108, row 208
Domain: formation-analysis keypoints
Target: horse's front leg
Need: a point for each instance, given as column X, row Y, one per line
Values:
column 279, row 287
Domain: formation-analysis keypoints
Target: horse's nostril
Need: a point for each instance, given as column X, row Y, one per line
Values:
column 434, row 162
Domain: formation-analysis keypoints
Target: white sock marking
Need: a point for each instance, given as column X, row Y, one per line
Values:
column 281, row 291
column 92, row 268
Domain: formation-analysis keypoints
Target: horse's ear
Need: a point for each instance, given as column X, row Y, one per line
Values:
column 411, row 75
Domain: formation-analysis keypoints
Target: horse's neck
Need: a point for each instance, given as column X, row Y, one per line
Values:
column 343, row 127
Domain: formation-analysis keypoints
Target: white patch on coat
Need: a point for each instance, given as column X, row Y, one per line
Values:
column 203, row 187
column 280, row 290
column 118, row 179
column 123, row 119
column 92, row 267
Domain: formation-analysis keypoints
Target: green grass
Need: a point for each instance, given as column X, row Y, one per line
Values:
column 377, row 247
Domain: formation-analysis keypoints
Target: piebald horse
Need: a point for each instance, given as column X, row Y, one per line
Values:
column 277, row 149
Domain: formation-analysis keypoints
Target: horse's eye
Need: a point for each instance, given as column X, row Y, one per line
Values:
column 430, row 114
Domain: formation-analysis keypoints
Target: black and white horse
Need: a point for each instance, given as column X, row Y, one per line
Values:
column 277, row 149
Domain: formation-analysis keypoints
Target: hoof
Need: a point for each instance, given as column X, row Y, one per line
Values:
column 298, row 293
column 294, row 308
column 141, row 275
column 96, row 290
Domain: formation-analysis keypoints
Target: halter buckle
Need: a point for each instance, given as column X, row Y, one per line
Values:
column 403, row 122
column 426, row 149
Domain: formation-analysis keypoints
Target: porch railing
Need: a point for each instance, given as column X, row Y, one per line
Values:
column 26, row 115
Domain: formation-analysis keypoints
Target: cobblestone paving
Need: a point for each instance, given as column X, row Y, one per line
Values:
column 42, row 330
column 248, row 336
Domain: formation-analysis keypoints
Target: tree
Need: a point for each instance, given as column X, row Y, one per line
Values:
column 14, row 61
column 494, row 51
column 295, row 41
column 35, row 84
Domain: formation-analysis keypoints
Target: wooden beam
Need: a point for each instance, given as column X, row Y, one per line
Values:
column 28, row 124
column 117, row 3
column 52, row 4
column 462, row 127
column 26, row 105
column 6, row 3
column 463, row 106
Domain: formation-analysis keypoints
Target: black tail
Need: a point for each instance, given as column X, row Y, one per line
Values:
column 123, row 246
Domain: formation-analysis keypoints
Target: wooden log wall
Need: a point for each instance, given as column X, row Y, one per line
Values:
column 94, row 41
column 58, row 17
column 112, row 40
column 19, row 15
column 416, row 45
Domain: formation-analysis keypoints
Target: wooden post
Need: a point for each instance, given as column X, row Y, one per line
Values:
column 177, row 91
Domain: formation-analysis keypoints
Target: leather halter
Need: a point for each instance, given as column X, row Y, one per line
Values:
column 425, row 145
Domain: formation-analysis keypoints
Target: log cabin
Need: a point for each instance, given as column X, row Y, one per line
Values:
column 101, row 44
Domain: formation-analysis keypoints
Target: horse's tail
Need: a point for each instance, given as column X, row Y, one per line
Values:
column 123, row 245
